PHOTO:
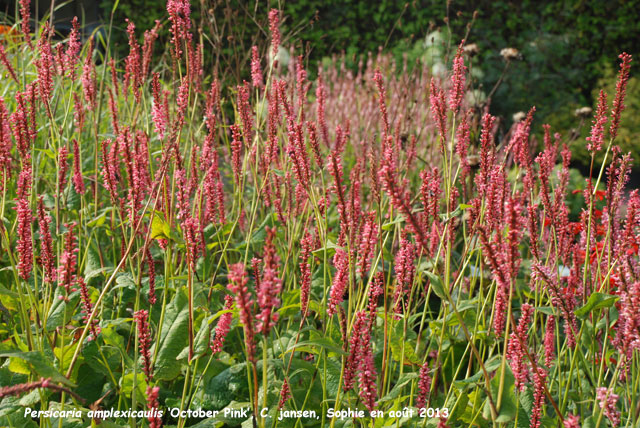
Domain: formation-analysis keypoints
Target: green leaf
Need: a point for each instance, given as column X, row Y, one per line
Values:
column 397, row 388
column 312, row 346
column 597, row 300
column 226, row 386
column 127, row 383
column 61, row 309
column 436, row 284
column 39, row 365
column 508, row 403
column 173, row 338
column 159, row 227
column 92, row 267
column 402, row 345
column 391, row 224
column 329, row 248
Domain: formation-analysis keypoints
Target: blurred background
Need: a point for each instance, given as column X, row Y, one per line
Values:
column 565, row 51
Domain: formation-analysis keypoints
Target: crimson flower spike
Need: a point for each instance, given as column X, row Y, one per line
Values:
column 144, row 341
column 274, row 28
column 25, row 12
column 47, row 257
column 244, row 302
column 596, row 138
column 256, row 71
column 223, row 326
column 24, row 246
column 621, row 89
column 457, row 80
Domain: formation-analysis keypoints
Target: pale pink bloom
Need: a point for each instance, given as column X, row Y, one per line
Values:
column 607, row 401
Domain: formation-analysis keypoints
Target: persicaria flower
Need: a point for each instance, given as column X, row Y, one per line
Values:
column 405, row 271
column 368, row 240
column 44, row 64
column 180, row 17
column 621, row 89
column 457, row 80
column 160, row 107
column 88, row 78
column 73, row 48
column 516, row 350
column 87, row 309
column 572, row 421
column 193, row 239
column 256, row 72
column 144, row 341
column 538, row 397
column 24, row 247
column 46, row 245
column 351, row 363
column 63, row 167
column 274, row 28
column 424, row 386
column 25, row 13
column 285, row 394
column 269, row 286
column 244, row 302
column 305, row 272
column 152, row 276
column 236, row 148
column 366, row 366
column 549, row 340
column 438, row 110
column 152, row 404
column 78, row 182
column 340, row 280
column 223, row 326
column 596, row 138
column 607, row 401
column 67, row 262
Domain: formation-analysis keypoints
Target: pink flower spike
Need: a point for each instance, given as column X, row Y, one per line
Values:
column 223, row 326
column 457, row 80
column 596, row 139
column 424, row 386
column 607, row 401
column 144, row 341
column 516, row 353
column 256, row 72
column 274, row 28
column 621, row 89
column 78, row 182
column 24, row 246
column 46, row 244
column 340, row 280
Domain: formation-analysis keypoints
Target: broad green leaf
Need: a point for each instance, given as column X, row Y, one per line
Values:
column 391, row 224
column 127, row 385
column 39, row 365
column 397, row 388
column 61, row 310
column 597, row 300
column 312, row 346
column 226, row 386
column 159, row 227
column 402, row 345
column 508, row 407
column 173, row 338
column 436, row 284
